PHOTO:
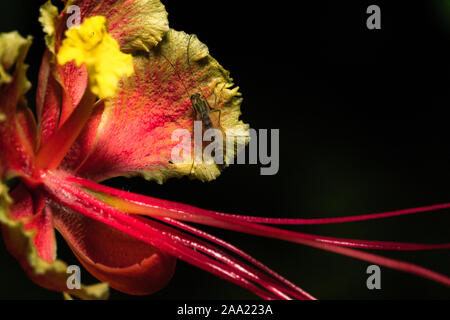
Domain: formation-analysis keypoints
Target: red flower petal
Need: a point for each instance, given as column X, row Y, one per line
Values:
column 48, row 100
column 127, row 264
column 35, row 218
column 75, row 80
column 57, row 97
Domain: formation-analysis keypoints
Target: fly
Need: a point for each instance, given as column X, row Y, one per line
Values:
column 200, row 106
column 202, row 111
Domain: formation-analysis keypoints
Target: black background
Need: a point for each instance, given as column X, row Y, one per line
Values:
column 363, row 122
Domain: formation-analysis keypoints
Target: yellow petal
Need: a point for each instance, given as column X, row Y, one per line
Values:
column 91, row 44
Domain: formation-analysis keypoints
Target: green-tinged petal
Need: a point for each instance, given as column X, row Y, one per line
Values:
column 135, row 24
column 99, row 291
column 16, row 132
column 52, row 276
column 12, row 46
column 22, row 237
column 133, row 135
column 5, row 200
column 48, row 20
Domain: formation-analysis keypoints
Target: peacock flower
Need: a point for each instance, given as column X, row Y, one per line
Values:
column 111, row 91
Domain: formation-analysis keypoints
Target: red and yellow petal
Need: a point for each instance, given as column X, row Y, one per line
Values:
column 28, row 234
column 135, row 24
column 134, row 136
column 17, row 127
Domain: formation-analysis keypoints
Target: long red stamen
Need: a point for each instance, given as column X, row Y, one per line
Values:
column 244, row 269
column 138, row 204
column 179, row 245
column 91, row 206
column 296, row 291
column 158, row 203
